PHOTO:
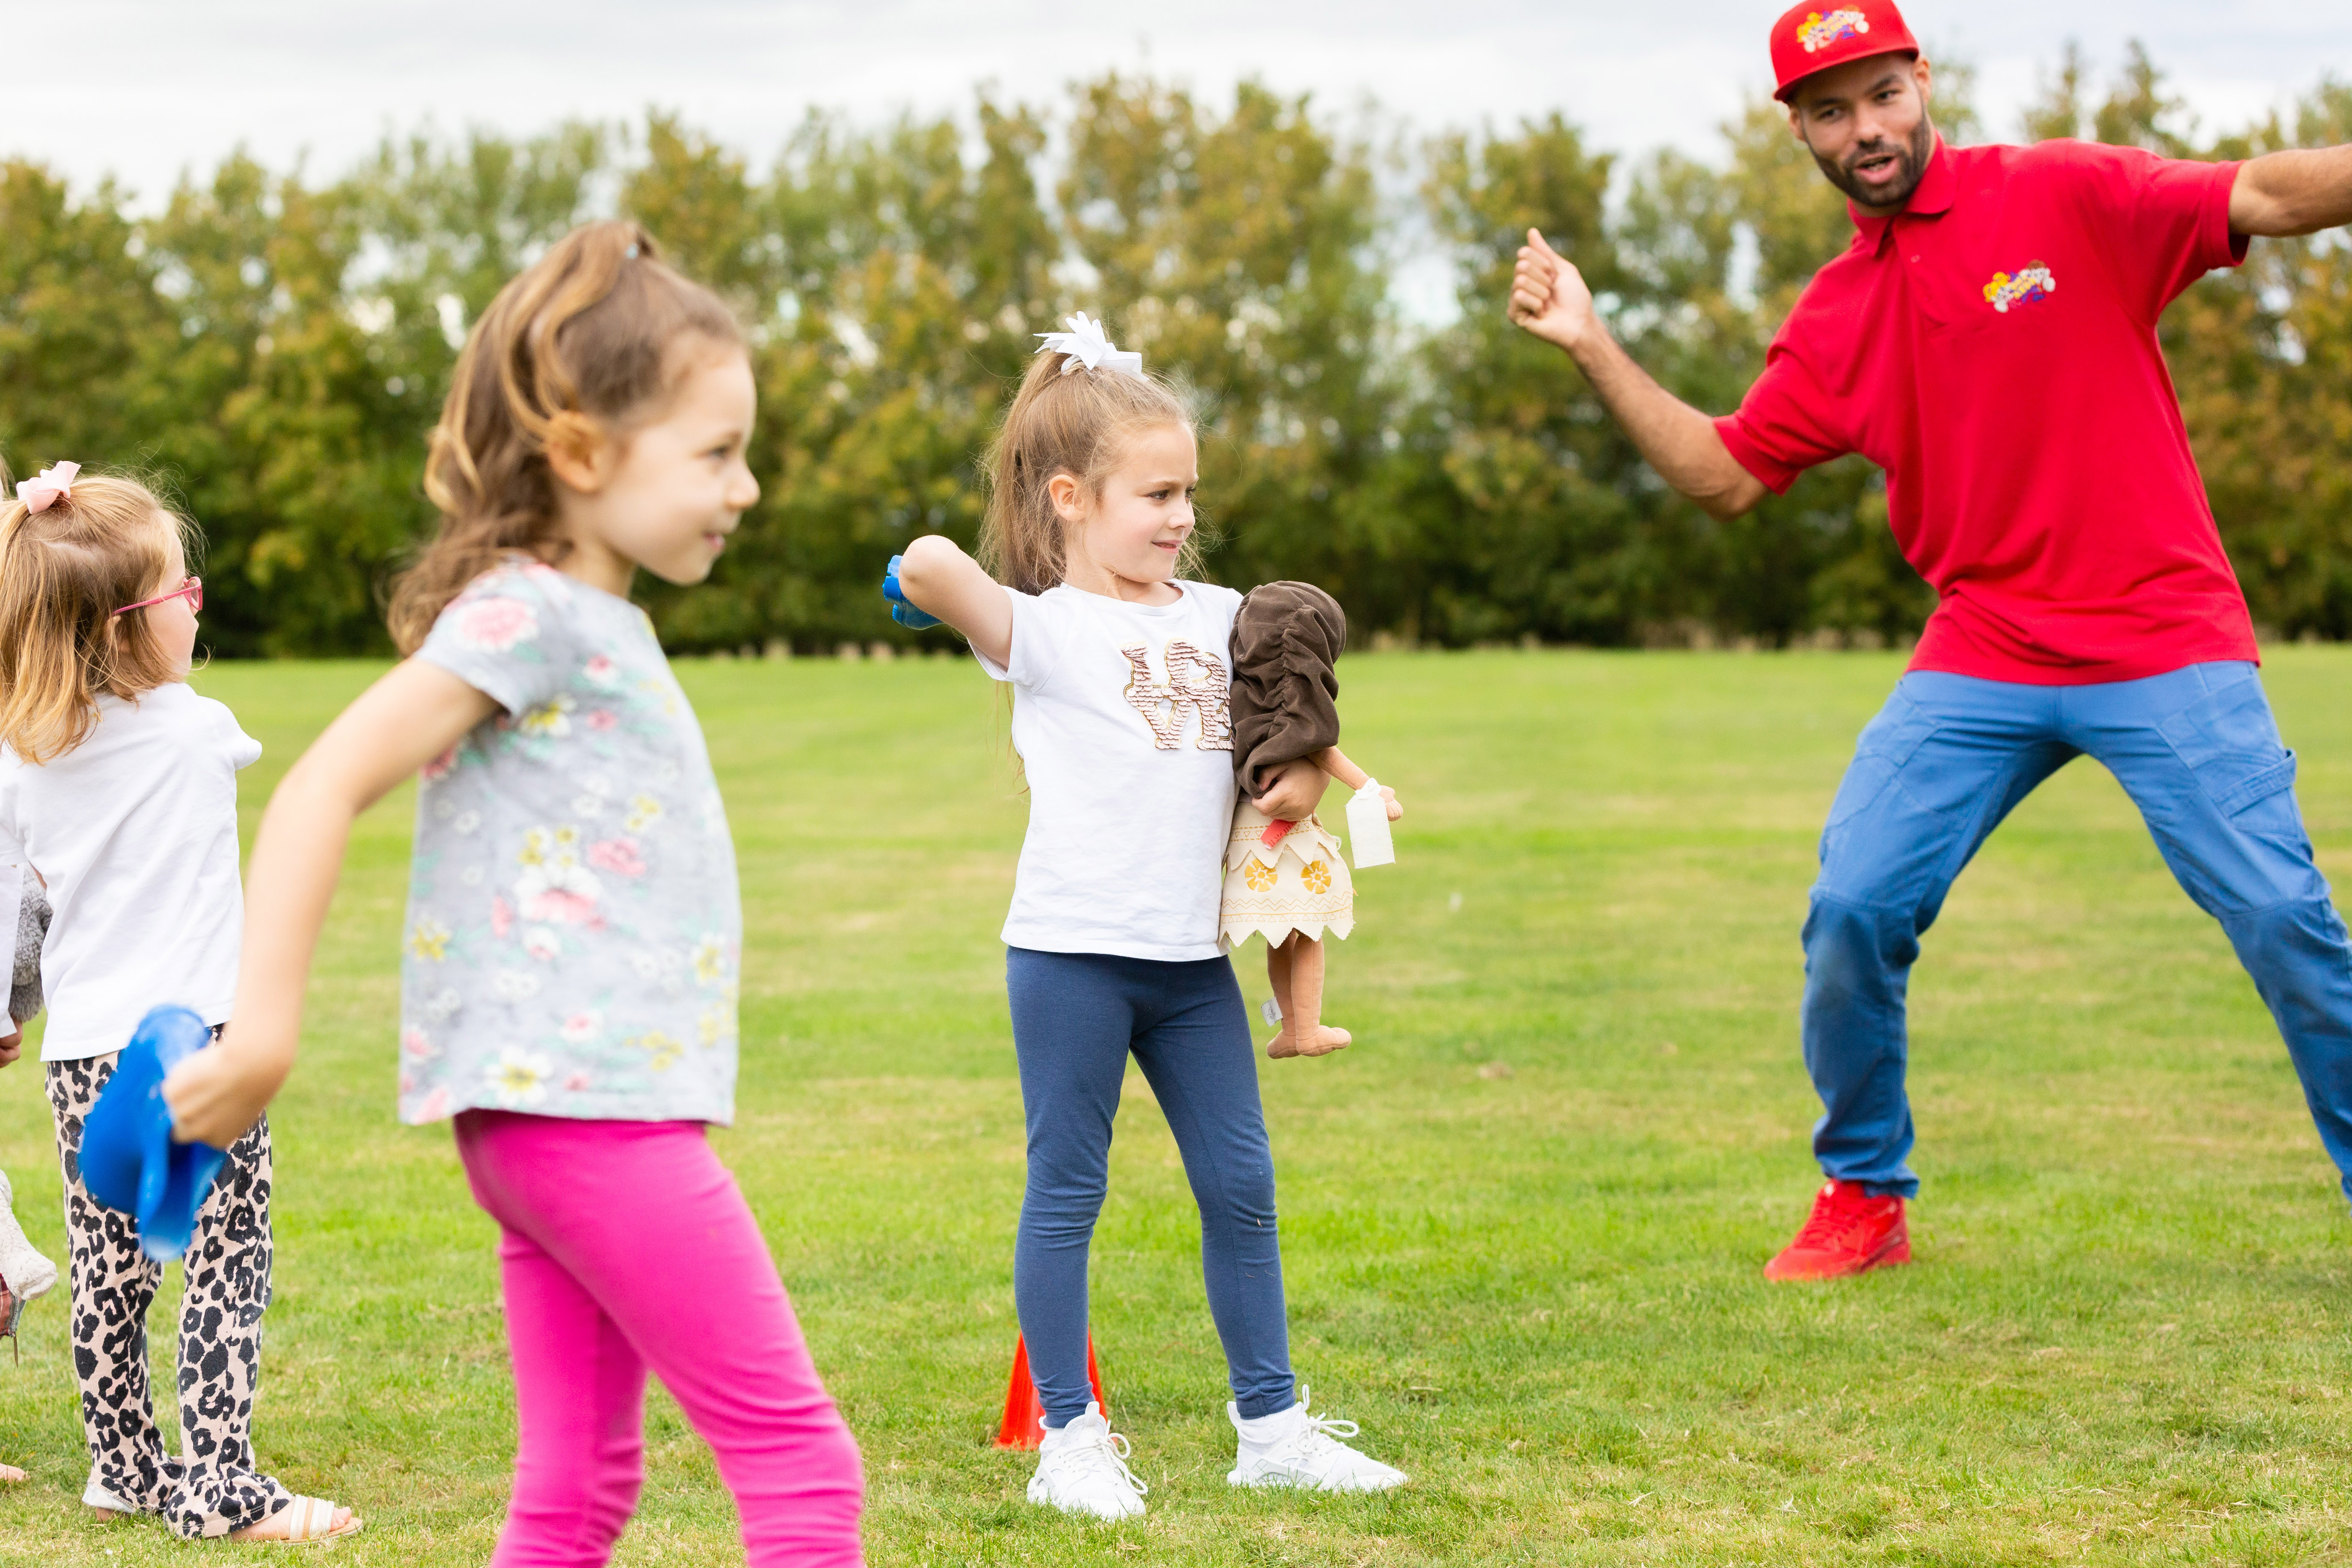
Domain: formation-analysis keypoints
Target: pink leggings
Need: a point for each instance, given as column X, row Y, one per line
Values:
column 625, row 1248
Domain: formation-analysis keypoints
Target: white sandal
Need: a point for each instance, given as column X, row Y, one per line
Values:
column 309, row 1522
column 103, row 1503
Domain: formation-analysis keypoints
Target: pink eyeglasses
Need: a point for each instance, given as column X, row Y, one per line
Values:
column 191, row 590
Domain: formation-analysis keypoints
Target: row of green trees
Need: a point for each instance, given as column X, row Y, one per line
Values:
column 277, row 347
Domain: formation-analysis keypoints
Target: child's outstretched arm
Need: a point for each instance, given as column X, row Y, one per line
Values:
column 403, row 721
column 939, row 579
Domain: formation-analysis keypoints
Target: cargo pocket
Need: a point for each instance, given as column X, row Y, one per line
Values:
column 2230, row 746
column 2229, row 741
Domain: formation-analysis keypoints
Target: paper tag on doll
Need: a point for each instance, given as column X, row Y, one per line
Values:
column 1270, row 1010
column 1368, row 826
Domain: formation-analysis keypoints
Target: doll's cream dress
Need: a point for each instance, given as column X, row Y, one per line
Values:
column 1299, row 884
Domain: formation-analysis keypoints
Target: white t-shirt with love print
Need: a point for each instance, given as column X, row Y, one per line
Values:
column 575, row 934
column 1122, row 716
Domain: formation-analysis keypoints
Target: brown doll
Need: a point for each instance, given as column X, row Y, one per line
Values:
column 1285, row 880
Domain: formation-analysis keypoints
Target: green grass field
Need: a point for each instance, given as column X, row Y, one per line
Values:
column 1524, row 1217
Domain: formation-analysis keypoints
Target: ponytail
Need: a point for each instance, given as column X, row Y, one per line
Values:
column 1077, row 424
column 577, row 348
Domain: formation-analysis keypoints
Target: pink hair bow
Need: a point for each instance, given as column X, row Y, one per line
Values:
column 54, row 481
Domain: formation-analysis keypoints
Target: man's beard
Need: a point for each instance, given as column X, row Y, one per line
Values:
column 1913, row 160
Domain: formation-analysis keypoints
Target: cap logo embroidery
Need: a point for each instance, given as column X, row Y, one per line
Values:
column 2029, row 283
column 1818, row 32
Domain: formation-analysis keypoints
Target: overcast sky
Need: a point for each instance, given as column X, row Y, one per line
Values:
column 146, row 88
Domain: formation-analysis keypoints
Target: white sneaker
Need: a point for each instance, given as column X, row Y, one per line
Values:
column 1292, row 1448
column 1082, row 1469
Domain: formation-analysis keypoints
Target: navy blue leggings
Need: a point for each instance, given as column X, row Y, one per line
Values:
column 1076, row 1016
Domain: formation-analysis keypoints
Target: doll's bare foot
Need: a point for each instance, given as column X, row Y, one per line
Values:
column 1322, row 1040
column 1282, row 1045
column 10, row 1475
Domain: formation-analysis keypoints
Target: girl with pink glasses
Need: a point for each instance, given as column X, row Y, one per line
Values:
column 117, row 787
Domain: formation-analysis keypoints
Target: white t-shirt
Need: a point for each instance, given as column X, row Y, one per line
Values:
column 1122, row 718
column 135, row 832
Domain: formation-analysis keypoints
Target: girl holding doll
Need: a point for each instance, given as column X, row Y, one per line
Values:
column 570, row 968
column 1122, row 721
column 117, row 789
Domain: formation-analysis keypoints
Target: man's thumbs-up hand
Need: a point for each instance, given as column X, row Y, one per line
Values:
column 1548, row 297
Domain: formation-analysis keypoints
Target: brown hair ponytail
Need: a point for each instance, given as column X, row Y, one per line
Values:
column 1077, row 425
column 576, row 346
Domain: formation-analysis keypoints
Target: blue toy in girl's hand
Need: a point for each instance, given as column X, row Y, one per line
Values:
column 128, row 1159
column 904, row 614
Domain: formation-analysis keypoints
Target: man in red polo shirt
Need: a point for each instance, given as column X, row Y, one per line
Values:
column 1989, row 340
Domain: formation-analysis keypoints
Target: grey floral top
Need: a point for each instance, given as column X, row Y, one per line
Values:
column 573, row 936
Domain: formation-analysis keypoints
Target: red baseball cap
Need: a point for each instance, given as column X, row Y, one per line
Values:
column 1819, row 34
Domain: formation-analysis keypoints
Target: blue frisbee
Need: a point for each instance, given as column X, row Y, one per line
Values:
column 901, row 611
column 128, row 1159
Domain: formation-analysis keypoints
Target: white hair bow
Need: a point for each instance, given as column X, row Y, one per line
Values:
column 1087, row 345
column 55, row 480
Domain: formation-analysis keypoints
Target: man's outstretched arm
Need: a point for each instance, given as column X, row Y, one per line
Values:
column 2286, row 194
column 1549, row 299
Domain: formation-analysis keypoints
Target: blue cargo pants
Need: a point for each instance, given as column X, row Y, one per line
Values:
column 1945, row 760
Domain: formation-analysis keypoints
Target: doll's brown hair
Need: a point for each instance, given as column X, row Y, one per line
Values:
column 63, row 571
column 1077, row 424
column 580, row 345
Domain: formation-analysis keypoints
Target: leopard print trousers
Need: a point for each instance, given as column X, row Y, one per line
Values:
column 213, row 1488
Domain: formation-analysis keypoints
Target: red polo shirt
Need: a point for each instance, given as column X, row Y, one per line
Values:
column 1993, row 348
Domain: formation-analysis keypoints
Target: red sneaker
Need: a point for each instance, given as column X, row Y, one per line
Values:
column 1848, row 1232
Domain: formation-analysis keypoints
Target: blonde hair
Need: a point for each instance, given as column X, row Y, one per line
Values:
column 63, row 571
column 1077, row 425
column 575, row 348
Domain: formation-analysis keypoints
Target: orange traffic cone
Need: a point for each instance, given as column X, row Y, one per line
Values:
column 1024, row 1418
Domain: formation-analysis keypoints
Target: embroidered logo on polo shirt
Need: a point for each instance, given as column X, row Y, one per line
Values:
column 2029, row 283
column 1818, row 32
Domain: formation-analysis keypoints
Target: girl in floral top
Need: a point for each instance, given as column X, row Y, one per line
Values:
column 570, row 963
